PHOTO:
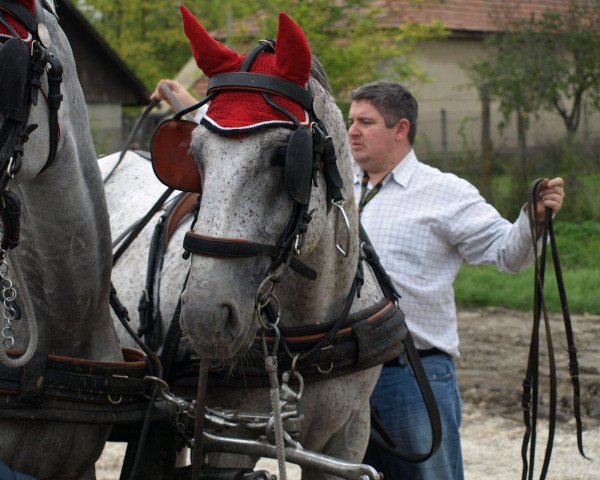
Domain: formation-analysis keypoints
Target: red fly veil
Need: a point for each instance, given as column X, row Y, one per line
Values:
column 236, row 111
column 21, row 31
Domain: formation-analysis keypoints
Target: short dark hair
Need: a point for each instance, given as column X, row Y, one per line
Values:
column 393, row 102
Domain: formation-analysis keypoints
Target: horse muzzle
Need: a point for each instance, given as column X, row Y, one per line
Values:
column 216, row 326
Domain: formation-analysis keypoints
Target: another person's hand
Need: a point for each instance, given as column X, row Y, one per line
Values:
column 551, row 195
column 179, row 91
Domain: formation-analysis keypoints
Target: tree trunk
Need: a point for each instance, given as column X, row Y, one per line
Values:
column 522, row 126
column 486, row 145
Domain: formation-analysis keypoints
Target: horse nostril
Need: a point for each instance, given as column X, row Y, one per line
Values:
column 229, row 322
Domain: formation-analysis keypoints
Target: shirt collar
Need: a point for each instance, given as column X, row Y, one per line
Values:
column 401, row 174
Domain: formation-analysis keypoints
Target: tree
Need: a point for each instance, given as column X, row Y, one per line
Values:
column 147, row 34
column 549, row 61
column 346, row 35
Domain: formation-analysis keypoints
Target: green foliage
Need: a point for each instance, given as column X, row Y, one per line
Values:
column 346, row 36
column 548, row 61
column 578, row 246
column 147, row 34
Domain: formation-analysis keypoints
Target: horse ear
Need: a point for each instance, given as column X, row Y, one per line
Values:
column 292, row 55
column 211, row 56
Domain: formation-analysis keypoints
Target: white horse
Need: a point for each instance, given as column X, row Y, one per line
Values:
column 259, row 181
column 61, row 268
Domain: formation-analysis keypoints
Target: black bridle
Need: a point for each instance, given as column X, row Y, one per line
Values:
column 309, row 151
column 22, row 65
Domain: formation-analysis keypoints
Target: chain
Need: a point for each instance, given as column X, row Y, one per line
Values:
column 9, row 295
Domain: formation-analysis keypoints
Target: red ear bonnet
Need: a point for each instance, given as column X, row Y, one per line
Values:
column 22, row 31
column 238, row 111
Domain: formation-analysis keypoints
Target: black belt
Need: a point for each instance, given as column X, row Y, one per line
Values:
column 402, row 361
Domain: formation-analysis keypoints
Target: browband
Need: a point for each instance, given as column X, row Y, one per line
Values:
column 261, row 83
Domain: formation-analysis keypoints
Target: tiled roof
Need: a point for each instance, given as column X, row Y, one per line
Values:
column 464, row 15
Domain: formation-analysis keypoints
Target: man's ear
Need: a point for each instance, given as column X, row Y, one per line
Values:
column 402, row 129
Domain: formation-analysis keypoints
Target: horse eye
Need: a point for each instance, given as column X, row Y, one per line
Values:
column 277, row 155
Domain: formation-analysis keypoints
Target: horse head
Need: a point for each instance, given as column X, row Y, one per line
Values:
column 271, row 193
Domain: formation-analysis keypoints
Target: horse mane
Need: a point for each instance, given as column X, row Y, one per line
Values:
column 49, row 4
column 318, row 73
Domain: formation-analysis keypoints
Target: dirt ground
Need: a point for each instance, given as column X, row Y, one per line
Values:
column 494, row 347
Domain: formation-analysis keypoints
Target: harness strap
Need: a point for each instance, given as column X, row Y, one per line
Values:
column 141, row 224
column 367, row 338
column 54, row 100
column 379, row 435
column 261, row 83
column 71, row 379
column 220, row 247
column 531, row 382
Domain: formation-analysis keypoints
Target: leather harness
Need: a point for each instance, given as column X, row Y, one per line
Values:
column 373, row 336
column 68, row 389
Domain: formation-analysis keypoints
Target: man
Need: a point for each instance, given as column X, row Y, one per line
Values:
column 423, row 223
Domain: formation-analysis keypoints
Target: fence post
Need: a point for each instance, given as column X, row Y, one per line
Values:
column 444, row 138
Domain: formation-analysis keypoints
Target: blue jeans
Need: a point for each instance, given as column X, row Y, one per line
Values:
column 398, row 402
column 7, row 474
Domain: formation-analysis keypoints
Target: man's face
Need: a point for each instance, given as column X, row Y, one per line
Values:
column 374, row 146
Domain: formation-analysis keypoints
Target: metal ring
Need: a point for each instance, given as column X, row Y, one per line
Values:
column 9, row 168
column 160, row 381
column 325, row 372
column 114, row 402
column 297, row 245
column 9, row 294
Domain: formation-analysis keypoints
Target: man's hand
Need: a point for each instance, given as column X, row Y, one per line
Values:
column 180, row 93
column 551, row 195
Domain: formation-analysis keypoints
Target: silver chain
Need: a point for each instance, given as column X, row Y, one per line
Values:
column 9, row 295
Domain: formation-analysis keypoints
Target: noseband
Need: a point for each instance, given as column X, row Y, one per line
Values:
column 21, row 66
column 309, row 150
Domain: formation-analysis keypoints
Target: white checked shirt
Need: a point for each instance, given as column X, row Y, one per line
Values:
column 423, row 223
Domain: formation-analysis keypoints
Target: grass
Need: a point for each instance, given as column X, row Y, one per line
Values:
column 579, row 251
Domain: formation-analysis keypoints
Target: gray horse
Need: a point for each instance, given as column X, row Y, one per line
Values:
column 245, row 200
column 61, row 268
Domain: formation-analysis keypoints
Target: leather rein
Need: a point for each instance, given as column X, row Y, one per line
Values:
column 530, row 394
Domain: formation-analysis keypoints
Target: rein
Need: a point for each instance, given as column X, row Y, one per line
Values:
column 531, row 381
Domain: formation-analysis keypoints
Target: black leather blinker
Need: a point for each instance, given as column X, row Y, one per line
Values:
column 298, row 165
column 14, row 70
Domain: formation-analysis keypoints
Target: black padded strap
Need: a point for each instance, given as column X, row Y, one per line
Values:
column 261, row 83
